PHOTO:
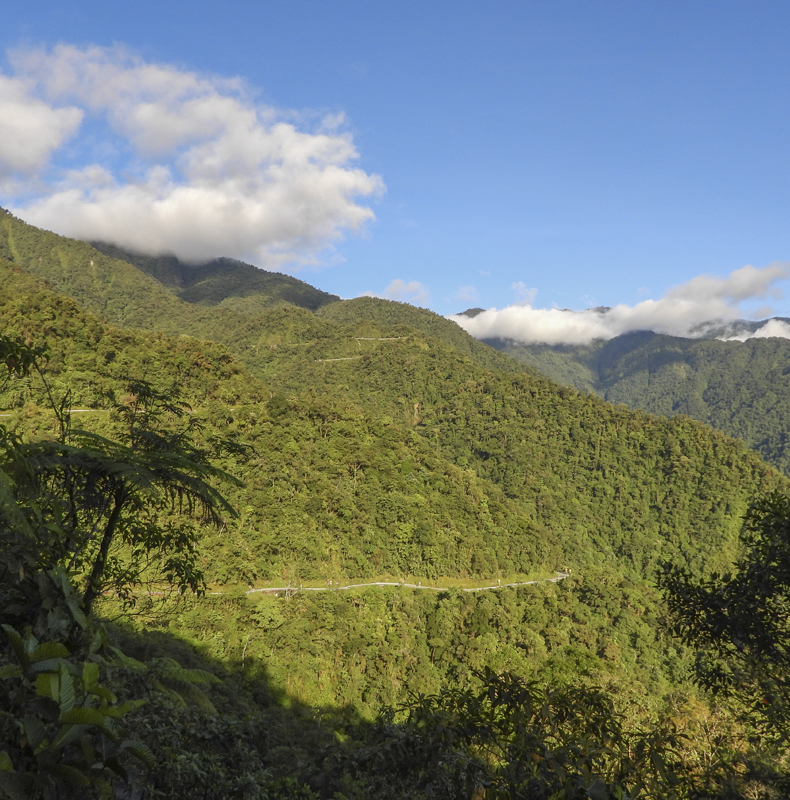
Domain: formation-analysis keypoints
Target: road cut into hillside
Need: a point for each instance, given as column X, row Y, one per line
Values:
column 292, row 589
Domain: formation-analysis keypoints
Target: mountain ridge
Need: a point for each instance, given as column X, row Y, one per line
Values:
column 218, row 280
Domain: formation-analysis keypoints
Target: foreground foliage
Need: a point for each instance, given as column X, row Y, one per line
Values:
column 78, row 515
column 740, row 621
column 518, row 740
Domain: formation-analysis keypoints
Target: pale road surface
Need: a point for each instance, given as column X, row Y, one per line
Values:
column 560, row 576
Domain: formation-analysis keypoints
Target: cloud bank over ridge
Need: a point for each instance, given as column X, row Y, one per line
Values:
column 96, row 143
column 692, row 309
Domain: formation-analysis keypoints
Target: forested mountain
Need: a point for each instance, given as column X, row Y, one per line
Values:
column 247, row 309
column 741, row 388
column 367, row 441
column 224, row 282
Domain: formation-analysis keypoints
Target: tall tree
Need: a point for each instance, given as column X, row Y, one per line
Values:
column 110, row 512
column 740, row 622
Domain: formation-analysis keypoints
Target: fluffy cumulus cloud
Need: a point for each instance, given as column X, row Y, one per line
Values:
column 695, row 308
column 190, row 164
column 30, row 129
column 412, row 292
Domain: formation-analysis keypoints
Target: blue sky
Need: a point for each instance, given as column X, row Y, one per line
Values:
column 565, row 154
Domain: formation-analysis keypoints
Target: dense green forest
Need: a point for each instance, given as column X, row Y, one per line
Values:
column 298, row 441
column 741, row 388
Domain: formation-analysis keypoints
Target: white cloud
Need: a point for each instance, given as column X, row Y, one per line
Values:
column 774, row 328
column 685, row 310
column 412, row 292
column 30, row 129
column 524, row 296
column 466, row 294
column 209, row 170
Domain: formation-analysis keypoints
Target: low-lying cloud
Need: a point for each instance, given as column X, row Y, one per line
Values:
column 98, row 144
column 693, row 309
column 773, row 328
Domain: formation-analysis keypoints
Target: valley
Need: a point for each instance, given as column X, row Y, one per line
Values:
column 441, row 522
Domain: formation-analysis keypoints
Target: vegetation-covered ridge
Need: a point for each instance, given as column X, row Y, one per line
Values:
column 224, row 282
column 741, row 388
column 252, row 312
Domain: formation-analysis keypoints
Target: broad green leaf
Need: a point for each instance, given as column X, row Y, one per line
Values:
column 48, row 685
column 34, row 730
column 5, row 762
column 103, row 692
column 77, row 613
column 99, row 640
column 68, row 734
column 116, row 712
column 83, row 716
column 48, row 650
column 18, row 644
column 141, row 750
column 10, row 671
column 88, row 751
column 47, row 665
column 176, row 672
column 61, row 578
column 127, row 661
column 90, row 675
column 67, row 695
column 70, row 774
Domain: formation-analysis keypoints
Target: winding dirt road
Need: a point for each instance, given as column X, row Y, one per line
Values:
column 291, row 590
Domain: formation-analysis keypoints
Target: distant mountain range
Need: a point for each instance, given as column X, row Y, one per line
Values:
column 737, row 329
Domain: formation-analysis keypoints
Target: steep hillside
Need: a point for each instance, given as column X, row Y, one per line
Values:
column 386, row 314
column 247, row 309
column 410, row 458
column 92, row 360
column 379, row 408
column 224, row 282
column 741, row 388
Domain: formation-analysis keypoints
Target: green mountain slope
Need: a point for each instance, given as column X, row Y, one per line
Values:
column 224, row 282
column 386, row 314
column 741, row 388
column 247, row 309
column 583, row 481
column 411, row 459
column 92, row 360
